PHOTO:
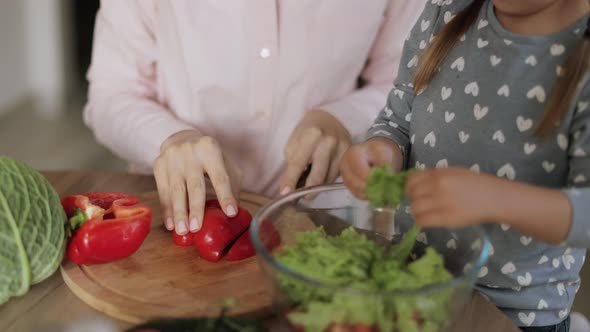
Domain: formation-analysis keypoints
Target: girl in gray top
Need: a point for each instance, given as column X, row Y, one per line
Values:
column 492, row 101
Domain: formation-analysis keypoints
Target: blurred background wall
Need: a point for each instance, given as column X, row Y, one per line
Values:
column 45, row 49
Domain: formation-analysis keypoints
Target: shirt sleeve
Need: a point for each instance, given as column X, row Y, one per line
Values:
column 393, row 121
column 357, row 110
column 578, row 190
column 122, row 108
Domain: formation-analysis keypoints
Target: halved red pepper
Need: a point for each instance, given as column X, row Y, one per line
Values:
column 244, row 248
column 105, row 226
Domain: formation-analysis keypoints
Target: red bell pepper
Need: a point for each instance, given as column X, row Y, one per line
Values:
column 105, row 226
column 219, row 231
column 244, row 248
column 185, row 240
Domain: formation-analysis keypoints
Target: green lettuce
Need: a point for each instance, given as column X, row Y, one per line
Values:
column 32, row 239
column 360, row 274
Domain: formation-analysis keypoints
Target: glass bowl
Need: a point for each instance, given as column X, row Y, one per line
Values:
column 306, row 301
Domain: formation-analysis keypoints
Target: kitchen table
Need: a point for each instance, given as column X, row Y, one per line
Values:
column 51, row 306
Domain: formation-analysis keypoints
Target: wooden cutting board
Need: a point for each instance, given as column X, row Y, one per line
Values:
column 162, row 280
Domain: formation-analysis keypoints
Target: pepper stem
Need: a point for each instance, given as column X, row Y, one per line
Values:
column 77, row 219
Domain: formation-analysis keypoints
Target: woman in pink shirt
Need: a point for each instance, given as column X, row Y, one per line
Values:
column 248, row 92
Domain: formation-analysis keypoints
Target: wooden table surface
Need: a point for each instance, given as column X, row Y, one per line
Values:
column 51, row 306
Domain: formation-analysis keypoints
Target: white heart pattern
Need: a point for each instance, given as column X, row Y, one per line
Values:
column 561, row 288
column 448, row 17
column 504, row 90
column 413, row 138
column 479, row 112
column 476, row 245
column 538, row 93
column 446, row 92
column 430, row 139
column 582, row 106
column 507, row 41
column 557, row 49
column 568, row 260
column 388, row 112
column 529, row 148
column 499, row 136
column 551, row 280
column 424, row 25
column 463, row 137
column 525, row 280
column 559, row 71
column 472, row 89
column 422, row 44
column 463, row 38
column 527, row 320
column 430, row 108
column 494, row 60
column 393, row 124
column 482, row 272
column 555, row 263
column 548, row 166
column 508, row 268
column 443, row 163
column 505, row 227
column 491, row 250
column 580, row 178
column 562, row 141
column 449, row 116
column 544, row 259
column 562, row 313
column 475, row 168
column 420, row 166
column 525, row 240
column 399, row 93
column 531, row 60
column 482, row 43
column 408, row 117
column 452, row 244
column 579, row 153
column 542, row 305
column 507, row 171
column 523, row 124
column 482, row 24
column 467, row 267
column 458, row 64
column 413, row 62
column 422, row 238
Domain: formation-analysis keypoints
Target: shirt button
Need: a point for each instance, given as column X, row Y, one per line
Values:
column 265, row 52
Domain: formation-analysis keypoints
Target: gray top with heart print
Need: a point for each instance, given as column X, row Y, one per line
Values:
column 480, row 112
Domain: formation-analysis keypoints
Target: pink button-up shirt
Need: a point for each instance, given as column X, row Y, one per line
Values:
column 244, row 72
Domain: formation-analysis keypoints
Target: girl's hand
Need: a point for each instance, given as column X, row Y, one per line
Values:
column 179, row 171
column 320, row 140
column 360, row 158
column 453, row 197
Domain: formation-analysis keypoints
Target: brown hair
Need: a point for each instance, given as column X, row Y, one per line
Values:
column 566, row 86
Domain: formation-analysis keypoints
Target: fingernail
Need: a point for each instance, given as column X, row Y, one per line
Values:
column 194, row 225
column 231, row 210
column 286, row 190
column 169, row 224
column 181, row 228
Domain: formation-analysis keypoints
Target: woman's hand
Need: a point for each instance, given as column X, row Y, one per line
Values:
column 452, row 197
column 179, row 171
column 320, row 140
column 360, row 158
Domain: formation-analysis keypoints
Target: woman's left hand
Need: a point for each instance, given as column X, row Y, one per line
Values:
column 452, row 197
column 320, row 140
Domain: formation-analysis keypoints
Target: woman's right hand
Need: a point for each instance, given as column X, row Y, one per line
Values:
column 180, row 169
column 358, row 160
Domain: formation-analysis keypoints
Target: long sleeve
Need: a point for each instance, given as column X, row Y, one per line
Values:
column 357, row 110
column 579, row 172
column 122, row 108
column 393, row 121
